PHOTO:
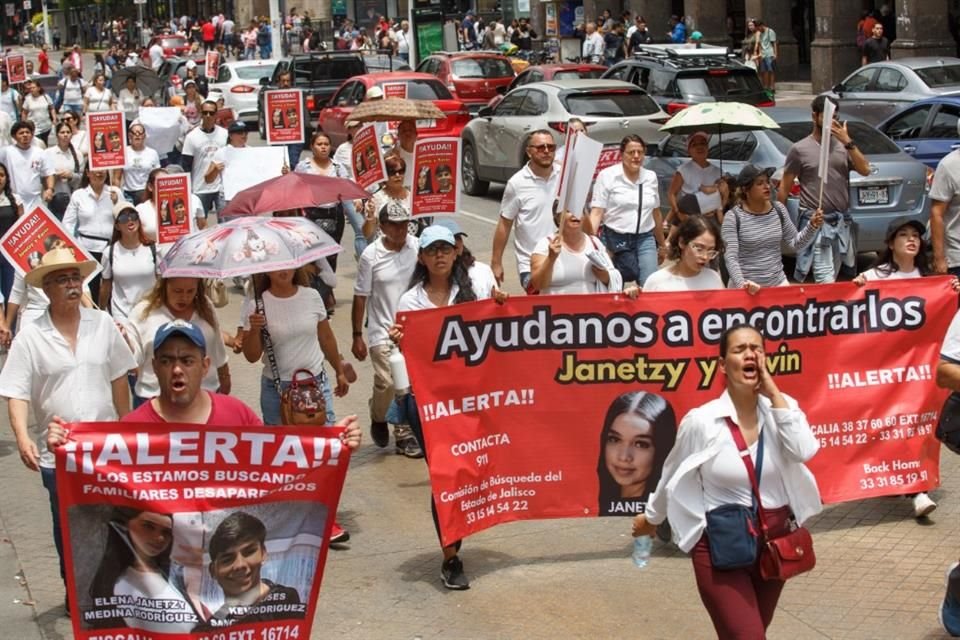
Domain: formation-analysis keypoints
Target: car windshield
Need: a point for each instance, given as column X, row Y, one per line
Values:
column 611, row 104
column 573, row 74
column 423, row 89
column 720, row 83
column 939, row 76
column 482, row 68
column 306, row 70
column 867, row 138
column 255, row 72
column 170, row 43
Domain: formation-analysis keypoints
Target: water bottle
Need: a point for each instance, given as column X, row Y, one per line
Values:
column 398, row 369
column 641, row 550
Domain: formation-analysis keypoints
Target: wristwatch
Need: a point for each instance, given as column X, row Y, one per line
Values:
column 850, row 145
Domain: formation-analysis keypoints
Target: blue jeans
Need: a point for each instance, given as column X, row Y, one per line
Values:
column 645, row 252
column 356, row 222
column 525, row 279
column 293, row 154
column 270, row 399
column 49, row 479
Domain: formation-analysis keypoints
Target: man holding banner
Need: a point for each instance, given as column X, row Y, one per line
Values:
column 822, row 163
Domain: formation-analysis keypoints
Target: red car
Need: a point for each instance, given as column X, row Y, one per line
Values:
column 404, row 84
column 547, row 72
column 472, row 76
column 171, row 45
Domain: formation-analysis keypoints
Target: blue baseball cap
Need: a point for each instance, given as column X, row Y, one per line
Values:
column 435, row 233
column 179, row 328
column 449, row 222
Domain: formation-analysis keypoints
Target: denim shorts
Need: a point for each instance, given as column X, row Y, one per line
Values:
column 768, row 64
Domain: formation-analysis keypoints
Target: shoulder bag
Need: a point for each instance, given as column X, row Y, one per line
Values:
column 302, row 402
column 781, row 557
column 948, row 426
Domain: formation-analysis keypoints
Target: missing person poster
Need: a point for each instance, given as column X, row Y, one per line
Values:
column 34, row 234
column 194, row 531
column 106, row 140
column 212, row 66
column 606, row 382
column 369, row 169
column 171, row 198
column 436, row 167
column 394, row 89
column 284, row 116
column 16, row 68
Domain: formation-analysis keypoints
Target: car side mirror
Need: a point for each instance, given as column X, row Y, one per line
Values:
column 264, row 82
column 838, row 88
column 501, row 90
column 485, row 112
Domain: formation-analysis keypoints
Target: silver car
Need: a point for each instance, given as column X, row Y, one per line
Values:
column 877, row 90
column 896, row 186
column 239, row 83
column 494, row 143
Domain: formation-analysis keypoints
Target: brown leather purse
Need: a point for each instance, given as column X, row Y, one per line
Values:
column 302, row 402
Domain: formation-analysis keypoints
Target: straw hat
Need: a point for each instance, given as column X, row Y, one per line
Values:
column 58, row 260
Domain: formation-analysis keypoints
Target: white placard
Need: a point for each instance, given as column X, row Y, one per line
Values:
column 162, row 125
column 245, row 167
column 579, row 167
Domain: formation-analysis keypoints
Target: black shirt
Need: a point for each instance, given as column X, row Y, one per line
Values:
column 876, row 50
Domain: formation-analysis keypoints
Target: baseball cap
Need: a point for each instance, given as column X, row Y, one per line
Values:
column 394, row 212
column 449, row 222
column 191, row 64
column 237, row 127
column 179, row 327
column 751, row 172
column 904, row 221
column 697, row 135
column 121, row 206
column 434, row 234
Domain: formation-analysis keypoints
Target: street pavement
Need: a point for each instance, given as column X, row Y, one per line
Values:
column 879, row 572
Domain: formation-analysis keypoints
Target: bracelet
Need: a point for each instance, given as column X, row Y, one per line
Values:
column 850, row 146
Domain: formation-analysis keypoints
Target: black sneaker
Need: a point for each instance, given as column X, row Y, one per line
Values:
column 380, row 433
column 451, row 572
column 409, row 447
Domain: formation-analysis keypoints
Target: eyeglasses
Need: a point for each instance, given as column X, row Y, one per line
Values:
column 699, row 249
column 442, row 249
column 128, row 216
column 67, row 280
column 208, row 113
column 136, row 134
column 395, row 172
column 543, row 148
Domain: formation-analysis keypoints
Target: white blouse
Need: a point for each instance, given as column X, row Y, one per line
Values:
column 90, row 218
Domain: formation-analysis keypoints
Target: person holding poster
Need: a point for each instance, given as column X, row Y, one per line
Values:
column 139, row 161
column 27, row 167
column 148, row 210
column 90, row 214
column 571, row 261
column 199, row 147
column 70, row 364
column 295, row 150
column 129, row 264
column 704, row 471
column 11, row 208
column 696, row 242
column 392, row 191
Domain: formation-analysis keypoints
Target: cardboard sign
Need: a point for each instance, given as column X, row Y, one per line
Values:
column 16, row 68
column 212, row 67
column 35, row 233
column 284, row 116
column 171, row 199
column 106, row 140
column 581, row 158
column 436, row 171
column 369, row 169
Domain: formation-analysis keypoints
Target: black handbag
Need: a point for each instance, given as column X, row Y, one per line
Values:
column 623, row 247
column 948, row 427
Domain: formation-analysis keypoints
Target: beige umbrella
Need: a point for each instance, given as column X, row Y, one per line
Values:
column 392, row 109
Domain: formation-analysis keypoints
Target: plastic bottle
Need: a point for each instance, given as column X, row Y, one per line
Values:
column 641, row 550
column 398, row 369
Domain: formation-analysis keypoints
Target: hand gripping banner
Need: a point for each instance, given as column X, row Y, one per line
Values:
column 566, row 406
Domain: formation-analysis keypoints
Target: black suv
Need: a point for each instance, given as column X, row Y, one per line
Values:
column 677, row 76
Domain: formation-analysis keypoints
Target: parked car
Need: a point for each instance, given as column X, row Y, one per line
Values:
column 926, row 130
column 172, row 45
column 677, row 77
column 541, row 73
column 896, row 186
column 474, row 77
column 173, row 72
column 494, row 143
column 416, row 86
column 877, row 90
column 239, row 82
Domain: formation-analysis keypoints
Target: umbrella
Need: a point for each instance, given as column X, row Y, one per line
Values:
column 392, row 109
column 294, row 190
column 718, row 118
column 244, row 246
column 148, row 82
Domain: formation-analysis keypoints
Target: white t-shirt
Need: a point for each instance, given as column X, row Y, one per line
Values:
column 129, row 103
column 528, row 202
column 138, row 166
column 665, row 280
column 416, row 298
column 59, row 160
column 343, row 156
column 620, row 199
column 874, row 274
column 133, row 273
column 202, row 146
column 38, row 111
column 72, row 91
column 725, row 479
column 74, row 384
column 950, row 351
column 382, row 277
column 482, row 279
column 694, row 177
column 571, row 271
column 92, row 217
column 946, row 188
column 8, row 103
column 98, row 100
column 156, row 56
column 292, row 323
column 27, row 167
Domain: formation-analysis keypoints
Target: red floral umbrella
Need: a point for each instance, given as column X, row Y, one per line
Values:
column 293, row 191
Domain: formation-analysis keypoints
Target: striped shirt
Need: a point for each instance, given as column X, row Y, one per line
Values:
column 753, row 245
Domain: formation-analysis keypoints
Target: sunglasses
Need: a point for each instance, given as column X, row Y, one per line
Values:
column 208, row 113
column 395, row 172
column 128, row 216
column 543, row 148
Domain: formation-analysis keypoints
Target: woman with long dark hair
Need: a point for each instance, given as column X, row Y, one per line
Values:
column 136, row 564
column 638, row 432
column 129, row 264
column 90, row 216
column 67, row 164
column 696, row 243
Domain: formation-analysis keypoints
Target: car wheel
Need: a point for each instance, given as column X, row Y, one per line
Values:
column 470, row 176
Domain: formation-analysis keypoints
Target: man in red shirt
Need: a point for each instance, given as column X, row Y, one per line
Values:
column 209, row 32
column 43, row 62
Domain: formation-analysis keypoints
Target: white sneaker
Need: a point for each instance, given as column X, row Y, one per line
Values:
column 923, row 505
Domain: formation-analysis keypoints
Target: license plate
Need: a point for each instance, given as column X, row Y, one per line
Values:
column 426, row 124
column 874, row 195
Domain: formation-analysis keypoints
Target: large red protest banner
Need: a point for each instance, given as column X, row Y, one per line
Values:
column 520, row 402
column 185, row 531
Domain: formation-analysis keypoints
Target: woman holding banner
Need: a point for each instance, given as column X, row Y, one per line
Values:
column 572, row 261
column 90, row 217
column 706, row 475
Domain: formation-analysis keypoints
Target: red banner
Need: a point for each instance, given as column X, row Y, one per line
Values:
column 284, row 116
column 368, row 167
column 436, row 167
column 106, row 140
column 181, row 531
column 212, row 65
column 32, row 235
column 608, row 157
column 520, row 402
column 16, row 68
column 171, row 200
column 394, row 89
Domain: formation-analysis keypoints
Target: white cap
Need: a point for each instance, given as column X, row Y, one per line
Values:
column 191, row 64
